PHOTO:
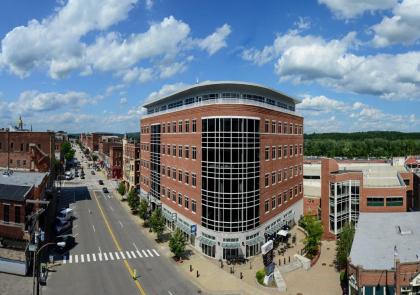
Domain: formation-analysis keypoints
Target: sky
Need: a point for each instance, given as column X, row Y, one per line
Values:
column 89, row 65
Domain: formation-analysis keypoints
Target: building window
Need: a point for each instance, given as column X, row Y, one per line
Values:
column 180, row 151
column 179, row 199
column 193, row 205
column 285, row 128
column 285, row 173
column 187, row 178
column 186, row 202
column 273, row 152
column 290, row 193
column 300, row 149
column 296, row 191
column 187, row 126
column 279, row 176
column 273, row 202
column 17, row 214
column 291, row 128
column 173, row 196
column 267, row 153
column 194, row 125
column 285, row 197
column 179, row 175
column 300, row 188
column 179, row 126
column 173, row 150
column 375, row 202
column 296, row 171
column 168, row 127
column 5, row 213
column 279, row 200
column 194, row 152
column 169, row 172
column 273, row 126
column 266, row 206
column 285, row 151
column 174, row 173
column 279, row 127
column 266, row 180
column 163, row 170
column 290, row 172
column 193, row 179
column 279, row 152
column 187, row 151
column 163, row 149
column 291, row 150
column 273, row 178
column 21, row 147
column 163, row 127
column 266, row 126
column 394, row 201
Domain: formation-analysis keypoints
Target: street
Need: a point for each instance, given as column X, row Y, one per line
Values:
column 110, row 248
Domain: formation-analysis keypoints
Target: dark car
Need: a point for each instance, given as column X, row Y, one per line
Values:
column 105, row 190
column 82, row 177
column 68, row 239
column 92, row 172
column 101, row 182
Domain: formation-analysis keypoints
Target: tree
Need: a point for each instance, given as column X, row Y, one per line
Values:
column 121, row 188
column 157, row 222
column 133, row 201
column 177, row 243
column 94, row 158
column 67, row 151
column 313, row 227
column 344, row 245
column 143, row 209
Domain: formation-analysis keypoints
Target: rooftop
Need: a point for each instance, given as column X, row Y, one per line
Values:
column 21, row 178
column 378, row 235
column 10, row 192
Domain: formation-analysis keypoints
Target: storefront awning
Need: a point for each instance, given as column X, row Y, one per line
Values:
column 231, row 245
column 207, row 241
column 254, row 241
column 283, row 233
column 185, row 228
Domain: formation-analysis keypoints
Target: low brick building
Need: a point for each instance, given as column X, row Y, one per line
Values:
column 26, row 150
column 131, row 163
column 384, row 257
column 115, row 161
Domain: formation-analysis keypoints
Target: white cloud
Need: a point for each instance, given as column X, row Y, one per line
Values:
column 346, row 116
column 331, row 63
column 149, row 4
column 346, row 9
column 402, row 27
column 170, row 70
column 166, row 90
column 54, row 42
column 215, row 41
column 112, row 88
column 303, row 23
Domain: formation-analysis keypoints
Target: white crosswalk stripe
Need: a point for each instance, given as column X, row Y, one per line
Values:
column 109, row 256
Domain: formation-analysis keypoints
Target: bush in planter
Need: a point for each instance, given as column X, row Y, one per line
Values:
column 121, row 188
column 143, row 209
column 157, row 223
column 133, row 201
column 260, row 276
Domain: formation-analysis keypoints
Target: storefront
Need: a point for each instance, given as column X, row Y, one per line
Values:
column 208, row 245
column 231, row 248
column 253, row 244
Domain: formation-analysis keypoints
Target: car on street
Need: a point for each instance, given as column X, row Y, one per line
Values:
column 105, row 190
column 68, row 239
column 100, row 181
column 61, row 226
column 92, row 172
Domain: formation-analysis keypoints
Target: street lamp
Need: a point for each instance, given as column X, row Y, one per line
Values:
column 59, row 244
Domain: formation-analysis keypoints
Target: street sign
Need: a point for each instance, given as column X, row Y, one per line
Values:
column 194, row 229
column 174, row 216
column 32, row 248
column 267, row 247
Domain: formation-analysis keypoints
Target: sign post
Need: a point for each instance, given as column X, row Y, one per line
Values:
column 268, row 254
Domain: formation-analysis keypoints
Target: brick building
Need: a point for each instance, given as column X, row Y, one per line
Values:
column 224, row 161
column 115, row 161
column 91, row 140
column 349, row 187
column 384, row 257
column 131, row 163
column 26, row 150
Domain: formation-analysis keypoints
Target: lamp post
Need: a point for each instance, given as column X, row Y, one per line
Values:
column 60, row 244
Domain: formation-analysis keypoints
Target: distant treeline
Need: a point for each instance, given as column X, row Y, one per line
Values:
column 362, row 144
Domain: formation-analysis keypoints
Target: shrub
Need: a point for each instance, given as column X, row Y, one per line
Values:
column 260, row 276
column 177, row 243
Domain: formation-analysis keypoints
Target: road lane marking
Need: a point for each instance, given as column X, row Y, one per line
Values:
column 150, row 253
column 117, row 244
column 135, row 246
column 76, row 259
column 157, row 254
column 122, row 254
column 110, row 207
column 93, row 228
column 70, row 259
column 170, row 293
column 144, row 253
column 132, row 254
column 82, row 258
column 100, row 256
column 94, row 257
column 138, row 253
column 88, row 257
column 111, row 256
column 128, row 254
column 105, row 256
column 116, row 255
column 65, row 259
column 121, row 224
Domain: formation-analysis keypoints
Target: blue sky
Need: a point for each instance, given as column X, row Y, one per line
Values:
column 88, row 65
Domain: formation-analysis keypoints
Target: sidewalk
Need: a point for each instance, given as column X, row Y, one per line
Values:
column 211, row 279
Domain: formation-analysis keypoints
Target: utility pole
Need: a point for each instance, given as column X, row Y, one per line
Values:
column 8, row 148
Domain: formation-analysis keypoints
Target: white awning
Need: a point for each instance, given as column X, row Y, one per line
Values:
column 283, row 233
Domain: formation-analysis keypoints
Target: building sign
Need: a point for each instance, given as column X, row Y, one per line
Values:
column 194, row 229
column 268, row 255
column 174, row 216
column 416, row 281
column 267, row 247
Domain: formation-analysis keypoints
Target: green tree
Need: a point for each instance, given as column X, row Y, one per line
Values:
column 177, row 243
column 94, row 158
column 143, row 209
column 313, row 227
column 121, row 188
column 344, row 245
column 133, row 201
column 157, row 222
column 67, row 151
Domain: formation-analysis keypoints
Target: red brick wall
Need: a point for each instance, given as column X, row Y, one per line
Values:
column 311, row 205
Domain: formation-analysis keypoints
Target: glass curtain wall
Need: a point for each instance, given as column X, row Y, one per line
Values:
column 155, row 161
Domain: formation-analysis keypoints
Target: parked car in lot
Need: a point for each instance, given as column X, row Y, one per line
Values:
column 100, row 182
column 105, row 190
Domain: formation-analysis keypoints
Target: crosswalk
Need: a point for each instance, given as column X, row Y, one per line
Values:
column 109, row 256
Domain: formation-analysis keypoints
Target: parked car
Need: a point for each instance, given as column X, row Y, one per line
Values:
column 92, row 172
column 68, row 239
column 105, row 190
column 100, row 181
column 66, row 213
column 61, row 226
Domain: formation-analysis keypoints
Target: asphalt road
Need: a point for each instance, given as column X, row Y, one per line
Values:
column 110, row 249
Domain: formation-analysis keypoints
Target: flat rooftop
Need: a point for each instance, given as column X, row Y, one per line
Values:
column 374, row 174
column 23, row 178
column 9, row 192
column 380, row 235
